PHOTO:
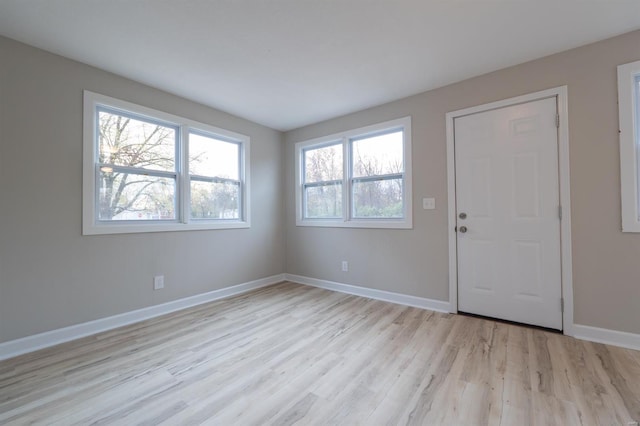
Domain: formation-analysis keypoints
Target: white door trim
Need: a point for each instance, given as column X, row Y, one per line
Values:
column 565, row 200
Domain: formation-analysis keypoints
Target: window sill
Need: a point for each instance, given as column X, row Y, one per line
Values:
column 370, row 224
column 113, row 228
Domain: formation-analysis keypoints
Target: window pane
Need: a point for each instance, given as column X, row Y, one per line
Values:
column 213, row 157
column 323, row 201
column 126, row 141
column 378, row 199
column 215, row 200
column 128, row 196
column 378, row 155
column 322, row 164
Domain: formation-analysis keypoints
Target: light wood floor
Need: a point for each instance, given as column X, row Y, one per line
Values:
column 290, row 354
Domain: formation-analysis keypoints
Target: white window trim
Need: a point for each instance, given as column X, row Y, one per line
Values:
column 346, row 221
column 629, row 155
column 90, row 224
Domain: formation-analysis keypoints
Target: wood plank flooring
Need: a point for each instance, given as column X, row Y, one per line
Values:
column 290, row 354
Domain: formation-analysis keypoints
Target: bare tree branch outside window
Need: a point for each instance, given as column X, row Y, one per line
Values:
column 133, row 193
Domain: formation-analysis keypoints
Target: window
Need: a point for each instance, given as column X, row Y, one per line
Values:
column 136, row 167
column 360, row 178
column 214, row 173
column 628, row 100
column 148, row 171
column 322, row 186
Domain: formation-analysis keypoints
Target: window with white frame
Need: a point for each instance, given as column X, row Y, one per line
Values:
column 358, row 178
column 149, row 171
column 628, row 105
column 214, row 174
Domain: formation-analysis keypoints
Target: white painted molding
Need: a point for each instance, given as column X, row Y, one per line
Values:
column 92, row 226
column 628, row 121
column 583, row 332
column 386, row 296
column 561, row 95
column 606, row 336
column 54, row 337
column 343, row 138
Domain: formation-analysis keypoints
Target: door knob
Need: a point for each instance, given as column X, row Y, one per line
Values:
column 463, row 229
column 462, row 215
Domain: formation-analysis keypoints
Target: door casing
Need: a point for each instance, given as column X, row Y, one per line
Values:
column 565, row 201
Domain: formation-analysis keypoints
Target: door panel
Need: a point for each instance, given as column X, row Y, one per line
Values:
column 480, row 193
column 509, row 263
column 483, row 271
column 526, row 191
column 528, row 260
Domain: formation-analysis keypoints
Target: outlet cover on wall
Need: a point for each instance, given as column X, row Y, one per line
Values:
column 158, row 282
column 429, row 203
column 345, row 266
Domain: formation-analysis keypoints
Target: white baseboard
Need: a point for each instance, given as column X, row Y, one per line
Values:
column 593, row 334
column 387, row 296
column 609, row 337
column 50, row 338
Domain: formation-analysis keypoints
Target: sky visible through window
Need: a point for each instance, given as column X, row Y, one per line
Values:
column 378, row 155
column 213, row 157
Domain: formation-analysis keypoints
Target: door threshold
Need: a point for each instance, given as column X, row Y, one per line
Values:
column 504, row 321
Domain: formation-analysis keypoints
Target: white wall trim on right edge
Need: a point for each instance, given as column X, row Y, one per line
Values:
column 372, row 293
column 606, row 336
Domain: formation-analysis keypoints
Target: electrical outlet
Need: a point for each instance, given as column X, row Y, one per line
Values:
column 158, row 282
column 345, row 266
column 429, row 203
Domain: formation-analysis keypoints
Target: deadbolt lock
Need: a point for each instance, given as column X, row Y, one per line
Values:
column 462, row 215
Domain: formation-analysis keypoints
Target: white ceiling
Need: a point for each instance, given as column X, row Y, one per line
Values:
column 288, row 63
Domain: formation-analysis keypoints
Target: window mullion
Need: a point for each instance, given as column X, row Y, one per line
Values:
column 302, row 169
column 184, row 182
column 346, row 179
column 241, row 188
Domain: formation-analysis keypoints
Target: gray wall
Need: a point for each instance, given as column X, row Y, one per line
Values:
column 50, row 275
column 606, row 269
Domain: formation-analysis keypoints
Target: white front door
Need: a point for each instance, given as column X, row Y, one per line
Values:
column 508, row 224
